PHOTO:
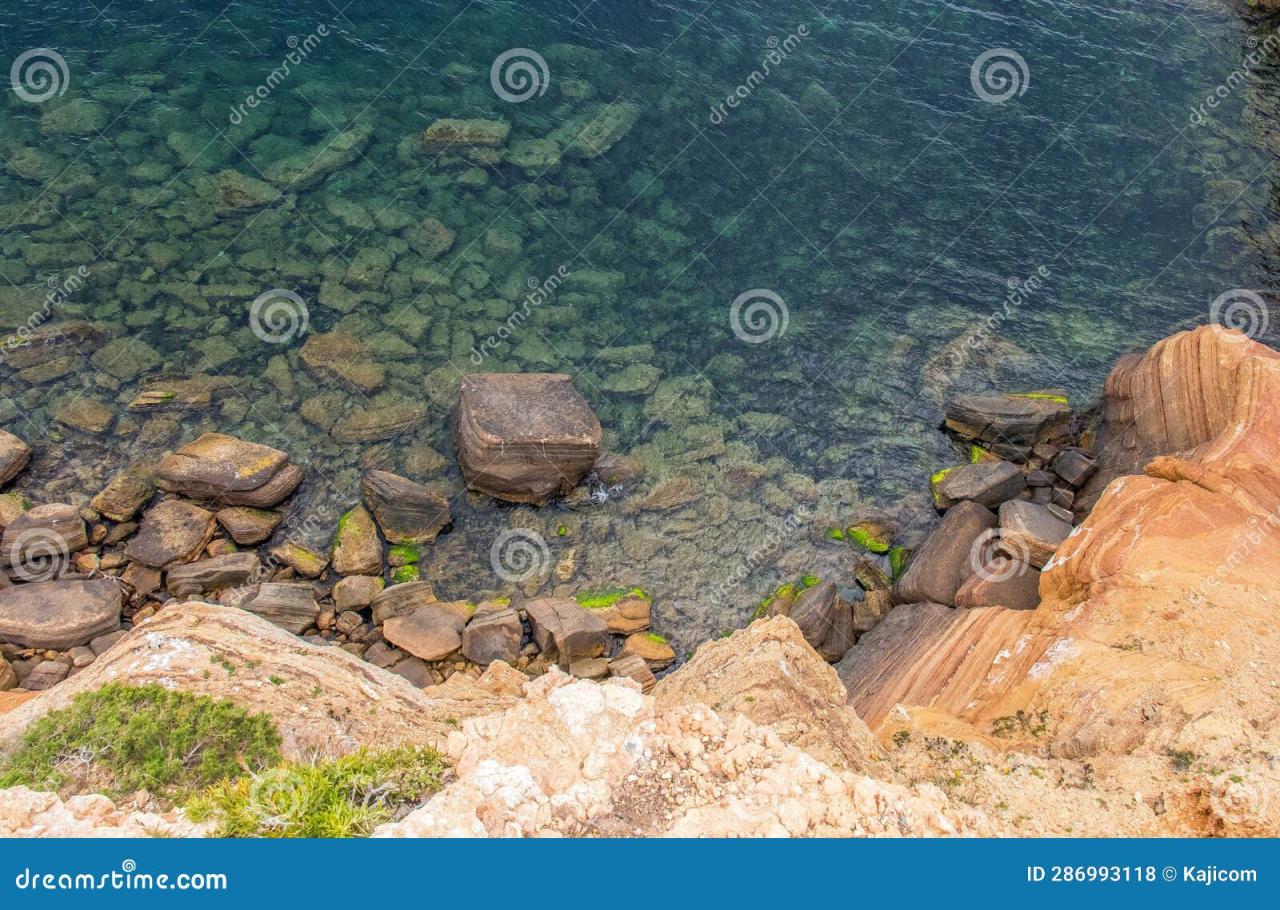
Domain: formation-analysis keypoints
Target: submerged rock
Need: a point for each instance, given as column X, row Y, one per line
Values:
column 407, row 512
column 14, row 455
column 228, row 470
column 171, row 531
column 524, row 437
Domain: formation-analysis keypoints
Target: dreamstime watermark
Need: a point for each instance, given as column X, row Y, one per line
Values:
column 126, row 878
column 277, row 796
column 999, row 74
column 278, row 316
column 995, row 558
column 37, row 554
column 39, row 74
column 299, row 50
column 519, row 74
column 539, row 293
column 1237, row 800
column 758, row 315
column 778, row 50
column 1243, row 310
column 780, row 530
column 519, row 554
column 1262, row 533
column 1019, row 292
column 59, row 290
column 1225, row 89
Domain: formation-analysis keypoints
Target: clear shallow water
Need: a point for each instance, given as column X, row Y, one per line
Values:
column 861, row 180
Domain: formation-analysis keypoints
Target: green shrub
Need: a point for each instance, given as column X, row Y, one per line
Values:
column 346, row 797
column 120, row 739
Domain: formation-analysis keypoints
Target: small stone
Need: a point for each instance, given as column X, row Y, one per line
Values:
column 46, row 675
column 401, row 600
column 342, row 356
column 651, row 647
column 624, row 610
column 492, row 635
column 407, row 512
column 868, row 612
column 429, row 632
column 85, row 414
column 248, row 526
column 237, row 192
column 378, row 423
column 633, row 667
column 1074, row 466
column 292, row 607
column 40, row 541
column 356, row 548
column 591, row 668
column 102, row 643
column 380, row 654
column 171, row 531
column 81, row 657
column 986, row 483
column 451, row 135
column 347, row 622
column 1001, row 582
column 573, row 632
column 303, row 560
column 415, row 670
column 126, row 493
column 356, row 592
column 142, row 580
column 213, row 574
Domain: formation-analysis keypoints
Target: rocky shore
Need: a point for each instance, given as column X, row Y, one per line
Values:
column 1083, row 645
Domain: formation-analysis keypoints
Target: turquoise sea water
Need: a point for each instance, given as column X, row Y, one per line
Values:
column 871, row 199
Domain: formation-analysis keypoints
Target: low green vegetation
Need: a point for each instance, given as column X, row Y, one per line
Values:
column 120, row 739
column 346, row 797
column 607, row 597
column 404, row 555
column 401, row 575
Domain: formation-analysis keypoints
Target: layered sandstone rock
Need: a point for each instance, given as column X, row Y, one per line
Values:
column 1158, row 611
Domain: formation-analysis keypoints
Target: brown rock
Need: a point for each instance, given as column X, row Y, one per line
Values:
column 229, row 470
column 59, row 614
column 429, row 238
column 524, row 437
column 303, row 560
column 141, row 579
column 987, row 483
column 493, row 635
column 292, row 607
column 650, row 647
column 11, row 506
column 562, row 626
column 671, row 494
column 194, row 393
column 1002, row 582
column 374, row 424
column 171, row 531
column 612, row 468
column 85, row 414
column 591, row 668
column 632, row 666
column 868, row 612
column 407, row 512
column 450, row 134
column 248, row 526
column 342, row 356
column 623, row 611
column 212, row 574
column 50, row 342
column 126, row 493
column 1030, row 533
column 430, row 632
column 8, row 678
column 814, row 611
column 401, row 600
column 356, row 548
column 46, row 675
column 14, row 456
column 38, row 543
column 945, row 561
column 1009, row 425
column 356, row 592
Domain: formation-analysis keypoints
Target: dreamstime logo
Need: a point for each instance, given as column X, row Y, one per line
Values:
column 777, row 50
column 996, row 559
column 519, row 554
column 299, row 50
column 519, row 74
column 38, row 554
column 276, row 797
column 539, row 293
column 39, row 74
column 278, row 316
column 1242, row 310
column 1237, row 801
column 999, row 74
column 758, row 315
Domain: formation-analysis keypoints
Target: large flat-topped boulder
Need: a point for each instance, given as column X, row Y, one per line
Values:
column 524, row 437
column 59, row 614
column 172, row 531
column 573, row 632
column 228, row 470
column 431, row 632
column 1009, row 424
column 39, row 542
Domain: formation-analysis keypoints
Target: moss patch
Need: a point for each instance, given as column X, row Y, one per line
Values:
column 403, row 574
column 607, row 597
column 404, row 554
column 655, row 637
column 120, row 739
column 898, row 559
column 1043, row 396
column 866, row 538
column 347, row 797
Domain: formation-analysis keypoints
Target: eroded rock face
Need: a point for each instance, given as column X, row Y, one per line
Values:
column 31, row 813
column 524, row 437
column 578, row 757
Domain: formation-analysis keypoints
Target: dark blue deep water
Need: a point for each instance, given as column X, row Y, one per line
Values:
column 900, row 223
